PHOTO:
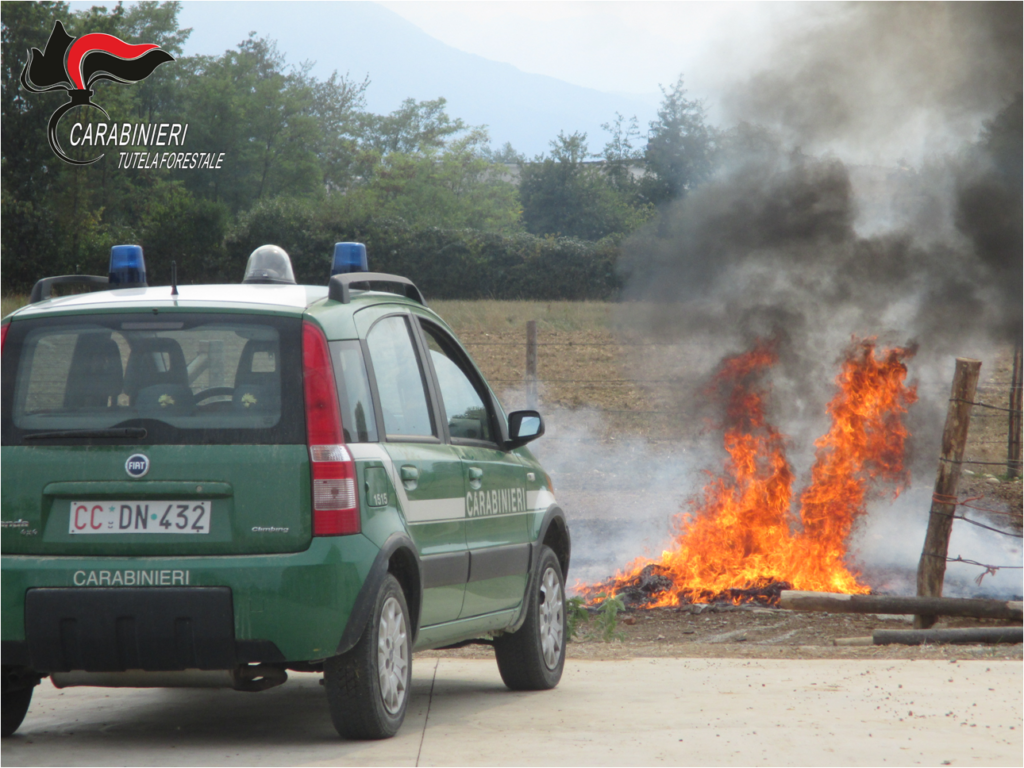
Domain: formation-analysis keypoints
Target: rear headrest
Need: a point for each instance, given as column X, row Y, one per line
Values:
column 95, row 376
column 258, row 364
column 154, row 361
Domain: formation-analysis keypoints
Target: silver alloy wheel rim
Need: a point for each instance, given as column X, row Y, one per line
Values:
column 552, row 619
column 392, row 656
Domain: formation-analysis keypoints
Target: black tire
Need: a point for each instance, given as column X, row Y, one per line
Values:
column 532, row 658
column 361, row 707
column 15, row 706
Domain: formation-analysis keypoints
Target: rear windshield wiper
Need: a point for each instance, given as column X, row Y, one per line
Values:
column 116, row 432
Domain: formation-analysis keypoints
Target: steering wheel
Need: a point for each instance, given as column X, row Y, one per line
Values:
column 206, row 394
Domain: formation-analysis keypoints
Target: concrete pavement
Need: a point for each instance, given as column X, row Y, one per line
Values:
column 634, row 712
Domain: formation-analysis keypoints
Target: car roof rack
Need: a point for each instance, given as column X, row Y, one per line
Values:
column 41, row 290
column 339, row 287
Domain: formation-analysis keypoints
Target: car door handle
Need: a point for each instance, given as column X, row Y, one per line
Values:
column 410, row 476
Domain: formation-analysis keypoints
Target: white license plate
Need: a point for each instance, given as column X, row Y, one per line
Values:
column 139, row 517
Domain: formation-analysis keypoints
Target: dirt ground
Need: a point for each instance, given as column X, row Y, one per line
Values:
column 756, row 633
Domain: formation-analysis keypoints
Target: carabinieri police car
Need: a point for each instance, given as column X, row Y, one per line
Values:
column 212, row 485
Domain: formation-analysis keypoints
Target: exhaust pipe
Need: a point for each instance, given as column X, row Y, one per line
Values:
column 248, row 677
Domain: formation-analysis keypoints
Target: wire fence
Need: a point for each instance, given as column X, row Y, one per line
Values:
column 953, row 508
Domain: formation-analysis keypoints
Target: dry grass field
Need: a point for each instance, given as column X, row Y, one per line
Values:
column 587, row 364
column 10, row 303
column 579, row 356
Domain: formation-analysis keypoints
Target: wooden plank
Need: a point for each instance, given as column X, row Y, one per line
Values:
column 900, row 604
column 971, row 635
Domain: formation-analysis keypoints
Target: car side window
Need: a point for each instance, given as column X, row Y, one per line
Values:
column 357, row 420
column 464, row 405
column 400, row 383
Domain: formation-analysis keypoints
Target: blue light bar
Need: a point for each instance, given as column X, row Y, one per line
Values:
column 349, row 257
column 127, row 266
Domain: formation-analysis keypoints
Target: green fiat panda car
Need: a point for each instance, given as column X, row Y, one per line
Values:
column 212, row 485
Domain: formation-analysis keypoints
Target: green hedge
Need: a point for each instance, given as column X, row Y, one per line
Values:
column 444, row 263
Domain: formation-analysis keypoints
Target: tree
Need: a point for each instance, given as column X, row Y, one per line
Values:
column 622, row 152
column 262, row 115
column 506, row 155
column 680, row 147
column 337, row 109
column 29, row 167
column 454, row 187
column 152, row 22
column 416, row 126
column 565, row 195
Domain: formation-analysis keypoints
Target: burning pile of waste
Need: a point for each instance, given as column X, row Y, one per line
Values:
column 740, row 541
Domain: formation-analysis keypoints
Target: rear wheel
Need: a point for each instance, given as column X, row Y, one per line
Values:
column 15, row 706
column 368, row 688
column 532, row 658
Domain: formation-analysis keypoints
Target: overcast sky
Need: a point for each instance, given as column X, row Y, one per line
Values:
column 621, row 47
column 616, row 46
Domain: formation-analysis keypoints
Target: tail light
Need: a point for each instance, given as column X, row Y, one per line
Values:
column 335, row 501
column 3, row 335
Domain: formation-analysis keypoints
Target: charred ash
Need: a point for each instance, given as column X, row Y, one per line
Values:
column 653, row 587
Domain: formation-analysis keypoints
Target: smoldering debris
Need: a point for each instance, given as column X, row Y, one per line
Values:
column 651, row 583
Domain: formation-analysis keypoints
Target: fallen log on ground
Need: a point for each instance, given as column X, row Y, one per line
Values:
column 973, row 635
column 977, row 608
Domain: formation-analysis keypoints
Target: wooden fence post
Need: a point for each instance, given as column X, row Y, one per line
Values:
column 1013, row 468
column 531, row 364
column 931, row 571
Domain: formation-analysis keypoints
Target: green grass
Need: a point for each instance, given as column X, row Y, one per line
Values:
column 576, row 615
column 10, row 303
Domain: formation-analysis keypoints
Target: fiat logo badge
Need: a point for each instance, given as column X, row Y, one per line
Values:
column 137, row 465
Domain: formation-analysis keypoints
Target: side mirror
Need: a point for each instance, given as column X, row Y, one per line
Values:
column 523, row 426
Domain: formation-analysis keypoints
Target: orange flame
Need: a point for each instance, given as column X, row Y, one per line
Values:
column 741, row 541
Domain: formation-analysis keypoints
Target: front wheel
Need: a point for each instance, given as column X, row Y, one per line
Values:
column 15, row 707
column 532, row 658
column 368, row 688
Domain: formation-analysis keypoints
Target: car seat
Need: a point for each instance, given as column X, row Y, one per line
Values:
column 156, row 376
column 95, row 376
column 258, row 390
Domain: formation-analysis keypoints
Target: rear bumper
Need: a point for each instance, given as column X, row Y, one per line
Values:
column 162, row 612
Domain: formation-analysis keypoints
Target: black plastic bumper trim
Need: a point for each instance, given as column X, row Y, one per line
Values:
column 154, row 629
column 495, row 562
column 445, row 570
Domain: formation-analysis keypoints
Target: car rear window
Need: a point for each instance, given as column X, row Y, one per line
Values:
column 184, row 378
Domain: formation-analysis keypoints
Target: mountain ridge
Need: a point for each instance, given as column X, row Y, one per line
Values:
column 402, row 61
